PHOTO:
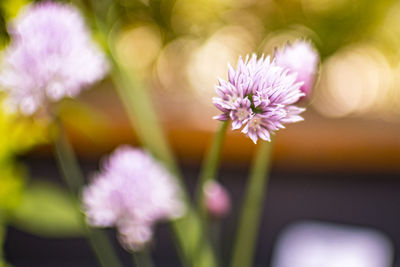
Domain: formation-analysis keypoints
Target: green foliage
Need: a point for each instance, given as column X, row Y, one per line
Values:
column 47, row 210
column 18, row 134
column 11, row 186
column 12, row 7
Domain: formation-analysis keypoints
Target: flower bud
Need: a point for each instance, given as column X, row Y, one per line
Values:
column 301, row 58
column 217, row 200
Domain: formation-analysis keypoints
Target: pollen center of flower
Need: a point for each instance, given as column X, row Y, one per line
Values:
column 254, row 122
column 242, row 113
column 233, row 100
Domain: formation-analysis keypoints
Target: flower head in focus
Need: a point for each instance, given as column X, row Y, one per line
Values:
column 301, row 58
column 132, row 192
column 51, row 56
column 217, row 200
column 259, row 96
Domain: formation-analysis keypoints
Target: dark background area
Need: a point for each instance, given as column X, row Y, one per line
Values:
column 351, row 198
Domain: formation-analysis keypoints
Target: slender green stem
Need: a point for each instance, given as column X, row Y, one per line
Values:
column 214, row 229
column 195, row 248
column 143, row 115
column 210, row 165
column 67, row 162
column 73, row 177
column 243, row 250
column 143, row 258
column 208, row 173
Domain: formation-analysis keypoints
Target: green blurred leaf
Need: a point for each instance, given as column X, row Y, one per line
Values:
column 12, row 7
column 4, row 264
column 47, row 210
column 11, row 186
column 18, row 134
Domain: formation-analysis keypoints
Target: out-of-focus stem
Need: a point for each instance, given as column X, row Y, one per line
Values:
column 143, row 116
column 243, row 250
column 210, row 165
column 70, row 169
column 195, row 248
column 143, row 259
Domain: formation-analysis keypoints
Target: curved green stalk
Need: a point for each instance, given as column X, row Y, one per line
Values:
column 243, row 251
column 72, row 175
column 194, row 246
column 210, row 165
column 142, row 258
column 196, row 250
column 143, row 116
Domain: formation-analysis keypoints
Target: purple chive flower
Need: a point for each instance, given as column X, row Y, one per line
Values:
column 240, row 113
column 217, row 200
column 301, row 58
column 51, row 56
column 259, row 96
column 132, row 192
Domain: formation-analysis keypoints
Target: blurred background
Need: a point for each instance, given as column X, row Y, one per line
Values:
column 341, row 164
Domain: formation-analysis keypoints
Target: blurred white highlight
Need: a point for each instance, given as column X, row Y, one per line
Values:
column 314, row 244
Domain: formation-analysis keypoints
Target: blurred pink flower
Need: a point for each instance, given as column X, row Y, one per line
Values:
column 217, row 200
column 300, row 58
column 51, row 56
column 132, row 192
column 260, row 96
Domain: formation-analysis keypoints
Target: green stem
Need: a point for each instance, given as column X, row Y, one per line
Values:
column 143, row 258
column 143, row 116
column 68, row 163
column 195, row 249
column 208, row 173
column 214, row 227
column 73, row 177
column 210, row 165
column 243, row 250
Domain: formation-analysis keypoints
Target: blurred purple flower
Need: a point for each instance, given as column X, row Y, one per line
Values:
column 217, row 200
column 51, row 56
column 132, row 192
column 301, row 58
column 260, row 96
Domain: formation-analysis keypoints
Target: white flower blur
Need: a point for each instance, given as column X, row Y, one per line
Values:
column 132, row 192
column 51, row 56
